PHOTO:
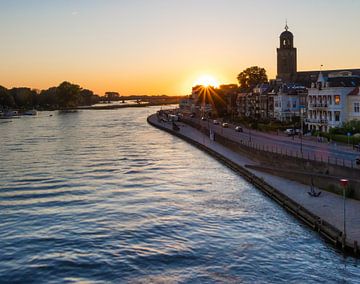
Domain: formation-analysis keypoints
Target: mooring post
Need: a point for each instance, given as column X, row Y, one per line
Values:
column 344, row 183
column 355, row 247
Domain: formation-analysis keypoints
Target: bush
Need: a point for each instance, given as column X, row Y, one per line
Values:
column 337, row 189
column 341, row 138
column 352, row 127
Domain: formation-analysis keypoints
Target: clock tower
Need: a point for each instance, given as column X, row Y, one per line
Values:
column 286, row 57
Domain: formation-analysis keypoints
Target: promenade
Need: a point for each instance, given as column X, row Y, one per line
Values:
column 333, row 152
column 328, row 207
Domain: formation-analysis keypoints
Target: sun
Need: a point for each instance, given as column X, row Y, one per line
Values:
column 207, row 81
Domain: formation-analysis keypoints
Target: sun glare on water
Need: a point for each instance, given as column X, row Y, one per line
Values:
column 207, row 81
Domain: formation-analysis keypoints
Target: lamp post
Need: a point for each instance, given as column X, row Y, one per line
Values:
column 353, row 142
column 302, row 128
column 250, row 132
column 344, row 183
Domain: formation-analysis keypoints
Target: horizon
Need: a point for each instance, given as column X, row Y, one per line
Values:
column 155, row 48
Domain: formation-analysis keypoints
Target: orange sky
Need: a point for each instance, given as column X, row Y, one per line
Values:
column 161, row 47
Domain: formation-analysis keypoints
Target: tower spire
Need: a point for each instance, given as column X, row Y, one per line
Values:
column 286, row 25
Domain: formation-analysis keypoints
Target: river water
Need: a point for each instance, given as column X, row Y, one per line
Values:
column 101, row 196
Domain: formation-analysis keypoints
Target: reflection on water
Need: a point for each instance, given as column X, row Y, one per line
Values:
column 102, row 196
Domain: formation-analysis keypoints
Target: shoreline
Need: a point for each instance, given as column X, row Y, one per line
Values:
column 328, row 230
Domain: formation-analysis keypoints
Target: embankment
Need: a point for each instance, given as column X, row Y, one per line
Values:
column 330, row 232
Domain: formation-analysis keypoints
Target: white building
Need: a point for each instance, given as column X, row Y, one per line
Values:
column 333, row 101
column 289, row 101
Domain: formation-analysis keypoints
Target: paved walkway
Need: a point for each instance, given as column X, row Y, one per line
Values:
column 293, row 145
column 328, row 206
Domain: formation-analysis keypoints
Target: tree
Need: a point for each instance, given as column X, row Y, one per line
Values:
column 86, row 97
column 68, row 94
column 24, row 97
column 6, row 99
column 48, row 98
column 251, row 77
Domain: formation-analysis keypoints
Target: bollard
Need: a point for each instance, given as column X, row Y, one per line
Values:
column 356, row 247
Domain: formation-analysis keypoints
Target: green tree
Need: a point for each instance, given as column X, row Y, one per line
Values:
column 68, row 94
column 48, row 98
column 252, row 76
column 85, row 97
column 6, row 99
column 24, row 97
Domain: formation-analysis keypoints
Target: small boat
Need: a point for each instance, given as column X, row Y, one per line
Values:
column 9, row 114
column 30, row 112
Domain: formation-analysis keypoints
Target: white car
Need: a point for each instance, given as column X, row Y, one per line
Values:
column 225, row 125
column 216, row 122
column 289, row 132
column 238, row 129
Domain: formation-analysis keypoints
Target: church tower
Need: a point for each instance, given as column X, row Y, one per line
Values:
column 286, row 57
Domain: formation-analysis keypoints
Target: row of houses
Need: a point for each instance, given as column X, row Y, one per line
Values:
column 327, row 103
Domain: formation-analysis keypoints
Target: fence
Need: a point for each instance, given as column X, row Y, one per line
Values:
column 283, row 151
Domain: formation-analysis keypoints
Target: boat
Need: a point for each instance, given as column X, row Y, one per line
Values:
column 9, row 114
column 30, row 112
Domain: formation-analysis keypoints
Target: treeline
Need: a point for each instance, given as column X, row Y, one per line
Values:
column 66, row 95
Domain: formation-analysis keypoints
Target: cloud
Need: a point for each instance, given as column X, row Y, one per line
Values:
column 74, row 13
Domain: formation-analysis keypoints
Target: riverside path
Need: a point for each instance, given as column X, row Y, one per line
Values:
column 333, row 152
column 328, row 207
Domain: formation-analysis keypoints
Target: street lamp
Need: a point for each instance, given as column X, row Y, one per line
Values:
column 302, row 128
column 250, row 132
column 344, row 183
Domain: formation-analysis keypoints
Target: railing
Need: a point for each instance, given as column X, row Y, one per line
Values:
column 275, row 149
column 316, row 120
column 319, row 105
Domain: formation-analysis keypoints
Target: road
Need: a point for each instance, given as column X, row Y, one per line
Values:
column 292, row 146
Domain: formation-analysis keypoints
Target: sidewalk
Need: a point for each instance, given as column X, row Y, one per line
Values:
column 328, row 206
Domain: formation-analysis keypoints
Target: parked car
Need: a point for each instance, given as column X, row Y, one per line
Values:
column 216, row 122
column 225, row 125
column 192, row 115
column 357, row 160
column 289, row 132
column 238, row 129
column 203, row 118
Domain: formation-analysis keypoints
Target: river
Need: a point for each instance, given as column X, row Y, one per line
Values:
column 101, row 196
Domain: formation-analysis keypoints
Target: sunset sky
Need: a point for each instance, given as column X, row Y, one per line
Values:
column 163, row 46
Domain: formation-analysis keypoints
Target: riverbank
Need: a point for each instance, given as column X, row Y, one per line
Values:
column 323, row 214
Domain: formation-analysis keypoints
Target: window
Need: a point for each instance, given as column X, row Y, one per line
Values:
column 356, row 107
column 337, row 99
column 330, row 101
column 337, row 115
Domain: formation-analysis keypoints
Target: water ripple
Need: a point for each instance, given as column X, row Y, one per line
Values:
column 100, row 196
